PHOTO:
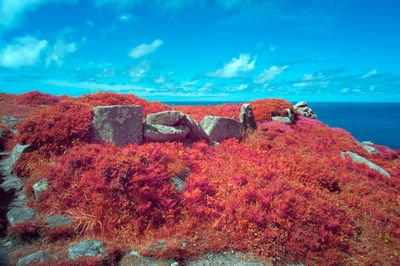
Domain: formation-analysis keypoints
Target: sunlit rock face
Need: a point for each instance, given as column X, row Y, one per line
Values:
column 119, row 124
column 220, row 128
column 247, row 118
column 304, row 110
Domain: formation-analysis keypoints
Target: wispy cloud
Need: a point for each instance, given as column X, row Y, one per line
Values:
column 59, row 51
column 24, row 52
column 125, row 17
column 237, row 88
column 139, row 71
column 11, row 11
column 269, row 74
column 371, row 73
column 145, row 49
column 234, row 67
column 159, row 80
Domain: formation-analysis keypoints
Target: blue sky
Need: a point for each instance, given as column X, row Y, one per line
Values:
column 203, row 50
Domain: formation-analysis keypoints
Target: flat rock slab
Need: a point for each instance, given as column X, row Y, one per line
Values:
column 358, row 159
column 167, row 118
column 119, row 124
column 19, row 215
column 58, row 220
column 92, row 248
column 282, row 119
column 17, row 152
column 161, row 133
column 220, row 128
column 34, row 257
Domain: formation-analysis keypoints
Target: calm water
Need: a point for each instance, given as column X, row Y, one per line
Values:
column 376, row 122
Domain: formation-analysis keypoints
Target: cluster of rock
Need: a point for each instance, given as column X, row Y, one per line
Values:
column 304, row 110
column 121, row 125
column 11, row 122
column 288, row 119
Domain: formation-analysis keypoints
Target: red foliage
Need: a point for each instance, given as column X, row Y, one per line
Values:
column 282, row 192
column 37, row 98
column 54, row 129
column 108, row 98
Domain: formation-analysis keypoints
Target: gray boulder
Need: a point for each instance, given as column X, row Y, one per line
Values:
column 11, row 182
column 247, row 118
column 92, row 248
column 304, row 110
column 57, row 220
column 17, row 152
column 220, row 128
column 19, row 215
column 368, row 148
column 167, row 118
column 119, row 124
column 358, row 159
column 300, row 104
column 39, row 187
column 196, row 131
column 161, row 133
column 34, row 257
column 290, row 114
column 282, row 119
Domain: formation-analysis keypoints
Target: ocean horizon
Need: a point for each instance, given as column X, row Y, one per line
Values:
column 366, row 121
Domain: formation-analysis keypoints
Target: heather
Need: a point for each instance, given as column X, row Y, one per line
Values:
column 283, row 192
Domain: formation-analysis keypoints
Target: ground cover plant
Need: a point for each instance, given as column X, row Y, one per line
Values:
column 281, row 193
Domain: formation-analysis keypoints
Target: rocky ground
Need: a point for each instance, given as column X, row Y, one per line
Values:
column 12, row 196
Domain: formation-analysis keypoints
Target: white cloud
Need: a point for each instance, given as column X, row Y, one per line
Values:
column 90, row 22
column 232, row 69
column 106, row 73
column 144, row 49
column 272, row 48
column 269, row 74
column 345, row 90
column 312, row 84
column 139, row 71
column 159, row 80
column 12, row 10
column 125, row 17
column 371, row 73
column 24, row 52
column 58, row 52
column 357, row 90
column 308, row 77
column 239, row 88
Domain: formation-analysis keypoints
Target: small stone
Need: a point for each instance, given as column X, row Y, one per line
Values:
column 19, row 215
column 58, row 220
column 92, row 248
column 39, row 187
column 282, row 119
column 34, row 257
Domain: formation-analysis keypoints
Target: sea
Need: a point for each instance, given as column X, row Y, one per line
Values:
column 366, row 121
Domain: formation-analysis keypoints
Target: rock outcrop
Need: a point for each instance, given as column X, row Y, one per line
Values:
column 304, row 110
column 220, row 128
column 119, row 124
column 358, row 159
column 92, row 248
column 247, row 118
column 172, row 126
